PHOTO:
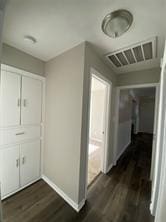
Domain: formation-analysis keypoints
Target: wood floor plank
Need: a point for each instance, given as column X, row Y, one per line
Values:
column 123, row 195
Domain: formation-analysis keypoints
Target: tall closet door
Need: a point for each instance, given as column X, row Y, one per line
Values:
column 31, row 101
column 9, row 170
column 30, row 162
column 10, row 99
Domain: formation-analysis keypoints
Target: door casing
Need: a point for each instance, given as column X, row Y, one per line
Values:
column 105, row 167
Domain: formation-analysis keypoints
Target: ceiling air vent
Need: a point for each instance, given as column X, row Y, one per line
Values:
column 140, row 52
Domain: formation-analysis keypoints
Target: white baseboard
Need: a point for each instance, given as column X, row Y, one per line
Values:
column 152, row 210
column 120, row 154
column 109, row 167
column 19, row 189
column 74, row 205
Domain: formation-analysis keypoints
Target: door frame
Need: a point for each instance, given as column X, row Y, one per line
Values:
column 158, row 195
column 159, row 189
column 102, row 78
column 117, row 99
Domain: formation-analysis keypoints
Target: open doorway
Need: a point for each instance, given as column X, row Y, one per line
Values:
column 143, row 108
column 136, row 114
column 136, row 120
column 98, row 127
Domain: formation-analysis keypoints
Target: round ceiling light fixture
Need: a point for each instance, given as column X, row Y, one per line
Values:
column 30, row 39
column 116, row 23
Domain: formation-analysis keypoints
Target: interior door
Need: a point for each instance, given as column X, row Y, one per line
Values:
column 160, row 146
column 30, row 162
column 10, row 99
column 9, row 170
column 31, row 101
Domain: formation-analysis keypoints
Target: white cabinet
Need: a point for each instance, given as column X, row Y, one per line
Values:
column 30, row 162
column 20, row 100
column 9, row 170
column 10, row 99
column 31, row 101
column 19, row 134
column 19, row 166
column 21, row 125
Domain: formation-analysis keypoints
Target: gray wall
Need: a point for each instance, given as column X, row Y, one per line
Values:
column 125, row 106
column 67, row 115
column 125, row 120
column 14, row 57
column 146, row 114
column 139, row 77
column 93, row 61
column 64, row 94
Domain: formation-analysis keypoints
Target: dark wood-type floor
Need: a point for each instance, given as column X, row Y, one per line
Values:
column 123, row 195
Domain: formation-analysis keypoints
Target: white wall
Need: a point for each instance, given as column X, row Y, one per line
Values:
column 97, row 114
column 146, row 114
column 125, row 120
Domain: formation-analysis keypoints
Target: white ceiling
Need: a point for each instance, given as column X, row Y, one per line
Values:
column 61, row 24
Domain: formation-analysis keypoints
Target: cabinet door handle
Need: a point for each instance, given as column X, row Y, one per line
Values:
column 23, row 160
column 17, row 163
column 21, row 133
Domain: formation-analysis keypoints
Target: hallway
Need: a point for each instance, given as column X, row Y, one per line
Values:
column 123, row 195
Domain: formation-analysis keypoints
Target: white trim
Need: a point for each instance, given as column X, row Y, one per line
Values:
column 151, row 209
column 158, row 192
column 107, row 120
column 109, row 167
column 120, row 154
column 135, row 86
column 109, row 83
column 43, row 125
column 74, row 205
column 116, row 127
column 154, row 133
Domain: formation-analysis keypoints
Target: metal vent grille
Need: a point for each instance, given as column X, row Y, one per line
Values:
column 140, row 52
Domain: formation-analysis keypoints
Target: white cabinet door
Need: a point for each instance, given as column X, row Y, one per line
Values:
column 30, row 162
column 31, row 101
column 10, row 99
column 9, row 170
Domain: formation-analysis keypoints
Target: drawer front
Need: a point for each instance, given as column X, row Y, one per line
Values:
column 9, row 136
